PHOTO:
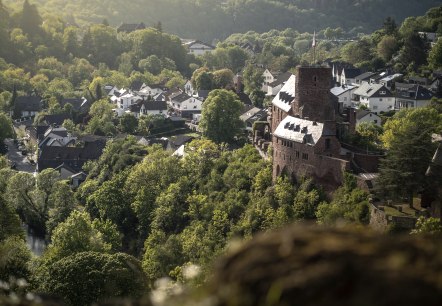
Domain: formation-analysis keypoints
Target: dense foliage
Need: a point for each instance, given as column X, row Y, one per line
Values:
column 211, row 19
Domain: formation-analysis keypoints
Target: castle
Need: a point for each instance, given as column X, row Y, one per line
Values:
column 306, row 129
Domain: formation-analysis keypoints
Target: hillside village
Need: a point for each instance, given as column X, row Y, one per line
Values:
column 154, row 151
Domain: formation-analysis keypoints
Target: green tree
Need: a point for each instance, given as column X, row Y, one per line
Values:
column 408, row 139
column 435, row 56
column 128, row 124
column 31, row 21
column 220, row 116
column 223, row 78
column 387, row 47
column 75, row 235
column 6, row 129
column 89, row 277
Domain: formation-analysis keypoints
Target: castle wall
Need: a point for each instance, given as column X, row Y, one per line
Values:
column 298, row 160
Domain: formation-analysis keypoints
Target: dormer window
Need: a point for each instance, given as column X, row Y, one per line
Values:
column 383, row 92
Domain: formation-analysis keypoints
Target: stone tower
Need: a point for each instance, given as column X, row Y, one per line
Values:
column 312, row 94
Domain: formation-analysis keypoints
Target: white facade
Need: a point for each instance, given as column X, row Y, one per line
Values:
column 125, row 101
column 345, row 95
column 199, row 48
column 268, row 78
column 150, row 91
column 191, row 104
column 378, row 104
column 370, row 118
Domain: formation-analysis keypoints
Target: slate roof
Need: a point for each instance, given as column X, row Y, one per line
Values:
column 244, row 98
column 74, row 157
column 372, row 90
column 286, row 95
column 361, row 113
column 179, row 140
column 299, row 130
column 413, row 92
column 391, row 77
column 203, row 93
column 281, row 79
column 351, row 73
column 339, row 90
column 365, row 76
column 56, row 119
column 77, row 103
column 181, row 97
column 194, row 42
column 28, row 103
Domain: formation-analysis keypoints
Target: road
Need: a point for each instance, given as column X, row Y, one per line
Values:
column 15, row 156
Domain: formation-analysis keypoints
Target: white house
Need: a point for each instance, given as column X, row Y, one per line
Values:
column 152, row 90
column 412, row 96
column 27, row 106
column 185, row 105
column 344, row 93
column 124, row 102
column 188, row 88
column 151, row 107
column 197, row 47
column 56, row 137
column 274, row 87
column 375, row 97
column 268, row 77
column 348, row 76
column 365, row 116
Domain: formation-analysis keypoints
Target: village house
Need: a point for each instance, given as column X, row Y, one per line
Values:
column 185, row 105
column 251, row 115
column 364, row 78
column 366, row 116
column 274, row 87
column 148, row 107
column 375, row 97
column 57, row 137
column 344, row 93
column 197, row 47
column 268, row 77
column 78, row 104
column 390, row 80
column 348, row 75
column 412, row 96
column 27, row 106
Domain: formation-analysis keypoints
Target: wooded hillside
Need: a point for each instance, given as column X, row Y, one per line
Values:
column 213, row 19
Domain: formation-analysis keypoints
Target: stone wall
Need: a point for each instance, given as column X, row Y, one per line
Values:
column 380, row 221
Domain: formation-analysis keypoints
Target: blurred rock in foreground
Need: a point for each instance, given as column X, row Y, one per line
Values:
column 302, row 265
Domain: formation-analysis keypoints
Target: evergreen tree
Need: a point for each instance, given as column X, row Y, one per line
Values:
column 31, row 21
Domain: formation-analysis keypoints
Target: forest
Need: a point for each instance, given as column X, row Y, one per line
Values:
column 143, row 214
column 213, row 19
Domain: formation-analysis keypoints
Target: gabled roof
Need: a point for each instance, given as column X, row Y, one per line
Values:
column 285, row 96
column 361, row 113
column 413, row 91
column 244, row 98
column 253, row 114
column 281, row 79
column 339, row 90
column 364, row 76
column 77, row 103
column 351, row 73
column 28, row 103
column 299, row 130
column 198, row 42
column 181, row 98
column 154, row 105
column 203, row 93
column 56, row 119
column 372, row 90
column 391, row 77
